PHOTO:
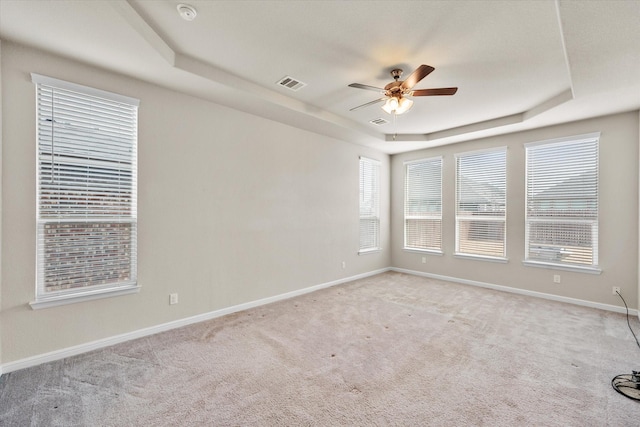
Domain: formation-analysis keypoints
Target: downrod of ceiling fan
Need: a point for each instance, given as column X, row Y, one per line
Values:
column 396, row 73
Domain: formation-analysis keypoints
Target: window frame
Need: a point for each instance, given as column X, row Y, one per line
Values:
column 106, row 181
column 408, row 186
column 369, row 210
column 593, row 268
column 489, row 219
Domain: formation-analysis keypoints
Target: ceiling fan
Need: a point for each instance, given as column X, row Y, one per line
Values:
column 396, row 92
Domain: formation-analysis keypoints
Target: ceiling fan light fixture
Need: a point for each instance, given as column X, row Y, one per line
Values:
column 404, row 106
column 395, row 105
column 390, row 105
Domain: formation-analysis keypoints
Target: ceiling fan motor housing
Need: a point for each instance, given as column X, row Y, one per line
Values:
column 393, row 88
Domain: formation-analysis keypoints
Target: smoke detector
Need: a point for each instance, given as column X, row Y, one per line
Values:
column 187, row 12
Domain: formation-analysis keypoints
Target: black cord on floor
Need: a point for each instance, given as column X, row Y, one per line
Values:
column 628, row 385
column 629, row 324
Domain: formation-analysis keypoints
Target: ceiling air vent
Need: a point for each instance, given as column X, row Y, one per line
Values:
column 291, row 83
column 379, row 121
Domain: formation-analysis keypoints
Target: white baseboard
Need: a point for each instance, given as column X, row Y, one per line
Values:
column 95, row 345
column 106, row 342
column 543, row 295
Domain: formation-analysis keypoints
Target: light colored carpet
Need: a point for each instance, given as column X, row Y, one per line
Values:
column 392, row 349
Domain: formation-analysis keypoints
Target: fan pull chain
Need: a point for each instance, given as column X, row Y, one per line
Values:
column 395, row 126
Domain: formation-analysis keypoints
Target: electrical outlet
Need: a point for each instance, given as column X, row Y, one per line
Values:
column 173, row 299
column 615, row 290
column 556, row 278
column 344, row 264
column 424, row 259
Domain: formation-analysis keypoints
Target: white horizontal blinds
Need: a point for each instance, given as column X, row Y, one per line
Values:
column 423, row 204
column 562, row 201
column 481, row 203
column 369, row 204
column 86, row 189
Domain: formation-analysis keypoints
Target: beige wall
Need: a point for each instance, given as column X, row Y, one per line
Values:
column 618, row 215
column 232, row 208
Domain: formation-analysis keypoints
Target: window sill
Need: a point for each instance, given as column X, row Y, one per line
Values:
column 555, row 266
column 369, row 251
column 424, row 251
column 58, row 300
column 482, row 258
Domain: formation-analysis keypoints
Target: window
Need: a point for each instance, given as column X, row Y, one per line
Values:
column 562, row 202
column 369, row 205
column 423, row 205
column 86, row 201
column 481, row 203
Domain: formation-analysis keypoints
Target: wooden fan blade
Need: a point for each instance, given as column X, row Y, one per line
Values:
column 361, row 86
column 368, row 103
column 420, row 73
column 435, row 92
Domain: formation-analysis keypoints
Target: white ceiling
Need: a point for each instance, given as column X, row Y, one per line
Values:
column 518, row 64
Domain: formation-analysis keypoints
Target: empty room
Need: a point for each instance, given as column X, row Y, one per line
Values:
column 349, row 213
